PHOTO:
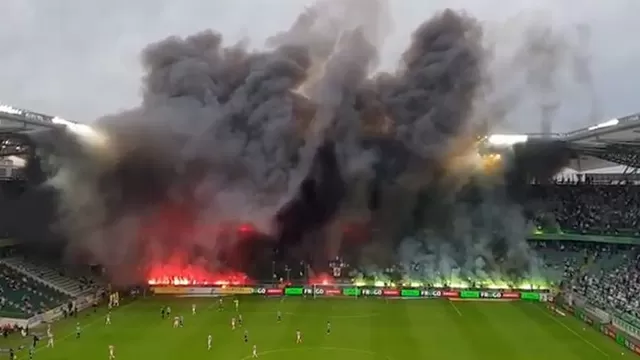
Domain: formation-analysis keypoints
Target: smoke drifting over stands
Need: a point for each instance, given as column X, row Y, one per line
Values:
column 237, row 157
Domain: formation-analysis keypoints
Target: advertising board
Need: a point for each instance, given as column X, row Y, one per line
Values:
column 350, row 291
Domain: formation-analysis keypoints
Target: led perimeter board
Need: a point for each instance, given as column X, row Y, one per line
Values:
column 353, row 291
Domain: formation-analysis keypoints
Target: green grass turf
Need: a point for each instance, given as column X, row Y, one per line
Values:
column 362, row 329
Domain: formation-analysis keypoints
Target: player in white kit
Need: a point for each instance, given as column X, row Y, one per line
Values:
column 193, row 309
column 176, row 322
column 112, row 352
column 255, row 352
column 298, row 337
column 236, row 302
column 233, row 323
column 209, row 341
column 50, row 341
column 107, row 321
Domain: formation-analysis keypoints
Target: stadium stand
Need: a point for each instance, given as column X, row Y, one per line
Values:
column 23, row 297
column 51, row 275
column 606, row 274
column 598, row 253
column 615, row 289
column 585, row 208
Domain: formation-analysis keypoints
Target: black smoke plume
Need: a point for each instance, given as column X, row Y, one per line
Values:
column 295, row 140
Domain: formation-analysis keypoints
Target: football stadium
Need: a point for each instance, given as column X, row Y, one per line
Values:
column 285, row 203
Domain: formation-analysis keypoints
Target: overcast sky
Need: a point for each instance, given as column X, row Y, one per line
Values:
column 79, row 58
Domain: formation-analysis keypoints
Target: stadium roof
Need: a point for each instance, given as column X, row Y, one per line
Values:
column 615, row 142
column 17, row 120
column 15, row 123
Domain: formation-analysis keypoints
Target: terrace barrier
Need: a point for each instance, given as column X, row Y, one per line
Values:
column 352, row 291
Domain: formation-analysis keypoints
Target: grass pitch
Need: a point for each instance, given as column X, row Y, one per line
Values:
column 362, row 329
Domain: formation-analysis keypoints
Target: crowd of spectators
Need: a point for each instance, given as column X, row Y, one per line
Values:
column 614, row 289
column 587, row 208
column 606, row 274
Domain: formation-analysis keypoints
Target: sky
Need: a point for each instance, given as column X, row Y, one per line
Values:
column 79, row 59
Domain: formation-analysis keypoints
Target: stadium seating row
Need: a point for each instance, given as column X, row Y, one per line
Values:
column 52, row 275
column 22, row 296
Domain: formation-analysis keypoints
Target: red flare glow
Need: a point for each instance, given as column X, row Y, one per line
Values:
column 322, row 279
column 246, row 229
column 173, row 224
column 193, row 276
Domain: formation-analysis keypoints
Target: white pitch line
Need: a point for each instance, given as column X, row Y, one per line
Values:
column 574, row 332
column 455, row 307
